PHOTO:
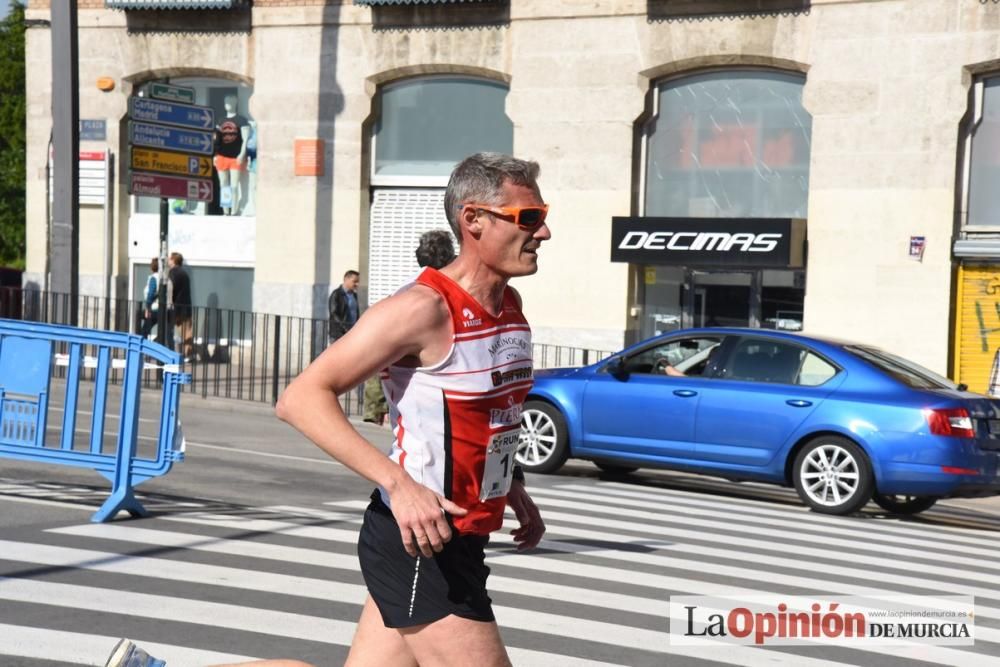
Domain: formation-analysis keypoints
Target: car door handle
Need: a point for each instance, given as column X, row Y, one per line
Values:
column 685, row 393
column 798, row 403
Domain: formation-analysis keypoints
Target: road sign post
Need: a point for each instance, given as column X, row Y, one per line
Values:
column 162, row 320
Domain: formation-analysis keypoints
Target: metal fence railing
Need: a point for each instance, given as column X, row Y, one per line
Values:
column 236, row 354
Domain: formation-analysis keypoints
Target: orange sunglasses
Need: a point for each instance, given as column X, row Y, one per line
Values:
column 528, row 218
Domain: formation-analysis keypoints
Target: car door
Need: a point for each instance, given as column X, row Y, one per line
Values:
column 639, row 410
column 764, row 390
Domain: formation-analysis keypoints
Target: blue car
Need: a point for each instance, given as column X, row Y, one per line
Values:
column 843, row 423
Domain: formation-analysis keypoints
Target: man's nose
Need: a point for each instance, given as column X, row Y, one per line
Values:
column 543, row 233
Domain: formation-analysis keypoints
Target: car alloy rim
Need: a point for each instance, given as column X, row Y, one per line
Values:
column 538, row 438
column 830, row 475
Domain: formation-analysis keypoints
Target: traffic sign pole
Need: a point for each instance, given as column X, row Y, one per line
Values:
column 161, row 327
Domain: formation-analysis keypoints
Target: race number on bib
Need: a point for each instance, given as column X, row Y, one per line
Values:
column 499, row 464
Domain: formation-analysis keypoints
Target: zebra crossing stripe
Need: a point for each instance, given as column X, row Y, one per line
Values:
column 669, row 583
column 741, row 572
column 844, row 526
column 612, row 493
column 544, row 590
column 729, row 540
column 143, row 605
column 559, row 499
column 79, row 648
column 944, row 656
column 961, row 659
column 228, row 616
column 558, row 624
column 832, row 538
column 196, row 573
column 701, row 551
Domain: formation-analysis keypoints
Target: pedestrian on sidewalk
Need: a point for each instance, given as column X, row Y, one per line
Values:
column 343, row 305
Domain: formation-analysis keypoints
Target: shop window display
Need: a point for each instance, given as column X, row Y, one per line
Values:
column 234, row 162
column 729, row 145
column 984, row 196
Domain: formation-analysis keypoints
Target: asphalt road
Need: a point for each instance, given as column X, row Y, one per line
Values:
column 249, row 553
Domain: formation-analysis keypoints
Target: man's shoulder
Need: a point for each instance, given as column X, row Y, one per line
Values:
column 417, row 304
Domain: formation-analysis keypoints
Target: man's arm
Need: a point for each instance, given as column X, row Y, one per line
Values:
column 415, row 324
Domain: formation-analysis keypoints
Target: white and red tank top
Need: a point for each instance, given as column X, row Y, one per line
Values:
column 445, row 415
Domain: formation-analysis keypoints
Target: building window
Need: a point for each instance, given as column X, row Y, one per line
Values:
column 427, row 125
column 984, row 167
column 234, row 162
column 728, row 145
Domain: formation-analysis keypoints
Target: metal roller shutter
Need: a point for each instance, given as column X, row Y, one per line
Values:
column 978, row 322
column 398, row 218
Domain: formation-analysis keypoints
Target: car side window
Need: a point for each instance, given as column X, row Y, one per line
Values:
column 815, row 371
column 756, row 360
column 686, row 356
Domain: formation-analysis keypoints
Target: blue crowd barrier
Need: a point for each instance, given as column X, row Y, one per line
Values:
column 29, row 354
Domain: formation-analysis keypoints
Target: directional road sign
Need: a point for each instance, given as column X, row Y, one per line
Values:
column 172, row 138
column 164, row 162
column 164, row 91
column 171, row 187
column 171, row 113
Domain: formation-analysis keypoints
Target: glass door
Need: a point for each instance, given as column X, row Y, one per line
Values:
column 723, row 299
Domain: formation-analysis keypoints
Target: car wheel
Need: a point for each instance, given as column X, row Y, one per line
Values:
column 614, row 468
column 901, row 504
column 833, row 475
column 544, row 444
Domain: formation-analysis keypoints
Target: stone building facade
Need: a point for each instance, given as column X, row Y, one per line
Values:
column 864, row 127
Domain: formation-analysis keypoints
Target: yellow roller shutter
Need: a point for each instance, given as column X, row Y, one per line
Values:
column 978, row 322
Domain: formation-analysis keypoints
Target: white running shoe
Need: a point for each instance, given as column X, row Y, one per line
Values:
column 127, row 654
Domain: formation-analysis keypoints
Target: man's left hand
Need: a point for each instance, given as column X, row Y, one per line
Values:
column 532, row 527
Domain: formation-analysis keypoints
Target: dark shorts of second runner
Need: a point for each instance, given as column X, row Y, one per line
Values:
column 413, row 591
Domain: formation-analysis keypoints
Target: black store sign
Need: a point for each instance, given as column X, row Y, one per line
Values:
column 731, row 242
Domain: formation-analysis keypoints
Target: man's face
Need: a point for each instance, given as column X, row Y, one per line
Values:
column 505, row 247
column 351, row 283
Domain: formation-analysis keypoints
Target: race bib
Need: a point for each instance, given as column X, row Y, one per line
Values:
column 497, row 473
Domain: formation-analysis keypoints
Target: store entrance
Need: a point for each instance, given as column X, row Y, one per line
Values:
column 674, row 297
column 722, row 299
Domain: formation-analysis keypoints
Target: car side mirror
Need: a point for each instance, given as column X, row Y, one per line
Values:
column 616, row 367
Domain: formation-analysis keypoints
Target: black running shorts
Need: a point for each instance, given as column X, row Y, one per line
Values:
column 416, row 590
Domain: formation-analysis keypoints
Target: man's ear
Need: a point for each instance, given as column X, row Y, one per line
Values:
column 471, row 222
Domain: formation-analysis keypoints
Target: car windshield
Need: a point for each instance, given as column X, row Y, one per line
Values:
column 911, row 374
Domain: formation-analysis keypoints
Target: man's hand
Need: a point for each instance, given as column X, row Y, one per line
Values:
column 532, row 527
column 422, row 517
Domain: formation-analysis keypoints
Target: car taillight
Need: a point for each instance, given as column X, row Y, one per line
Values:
column 955, row 422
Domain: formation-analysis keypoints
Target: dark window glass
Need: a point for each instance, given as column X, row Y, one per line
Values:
column 911, row 374
column 757, row 360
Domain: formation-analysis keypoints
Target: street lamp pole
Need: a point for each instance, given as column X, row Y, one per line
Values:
column 65, row 249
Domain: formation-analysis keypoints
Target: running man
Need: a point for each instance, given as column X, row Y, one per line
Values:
column 458, row 353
